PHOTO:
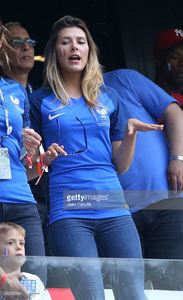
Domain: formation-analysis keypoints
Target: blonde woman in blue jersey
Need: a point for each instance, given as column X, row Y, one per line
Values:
column 80, row 122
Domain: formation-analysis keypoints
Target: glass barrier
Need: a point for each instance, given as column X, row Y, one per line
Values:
column 124, row 278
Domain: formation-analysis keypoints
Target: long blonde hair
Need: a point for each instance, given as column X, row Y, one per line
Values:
column 4, row 46
column 92, row 78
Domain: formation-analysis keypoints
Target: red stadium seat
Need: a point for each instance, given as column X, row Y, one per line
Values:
column 60, row 294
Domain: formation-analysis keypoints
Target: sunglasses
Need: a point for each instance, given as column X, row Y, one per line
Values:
column 85, row 146
column 18, row 42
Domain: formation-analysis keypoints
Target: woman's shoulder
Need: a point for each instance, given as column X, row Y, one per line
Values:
column 42, row 91
column 11, row 85
column 109, row 92
column 37, row 96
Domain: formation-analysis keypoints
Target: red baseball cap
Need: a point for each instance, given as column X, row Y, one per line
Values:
column 168, row 38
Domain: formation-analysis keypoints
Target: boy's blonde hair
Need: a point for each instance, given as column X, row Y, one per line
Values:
column 6, row 227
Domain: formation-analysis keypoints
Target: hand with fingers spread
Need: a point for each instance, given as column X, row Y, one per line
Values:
column 134, row 125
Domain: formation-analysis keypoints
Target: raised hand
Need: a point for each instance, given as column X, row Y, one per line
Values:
column 134, row 125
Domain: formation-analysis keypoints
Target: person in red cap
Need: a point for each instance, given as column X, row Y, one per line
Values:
column 168, row 58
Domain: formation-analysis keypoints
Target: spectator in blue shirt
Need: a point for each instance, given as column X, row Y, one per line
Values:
column 16, row 201
column 154, row 182
column 81, row 126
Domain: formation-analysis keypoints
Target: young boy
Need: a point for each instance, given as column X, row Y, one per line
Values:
column 12, row 248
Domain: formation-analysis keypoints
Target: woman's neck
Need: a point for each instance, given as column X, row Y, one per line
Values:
column 72, row 83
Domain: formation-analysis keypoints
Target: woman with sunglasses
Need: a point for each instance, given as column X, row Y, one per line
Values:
column 16, row 201
column 80, row 121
